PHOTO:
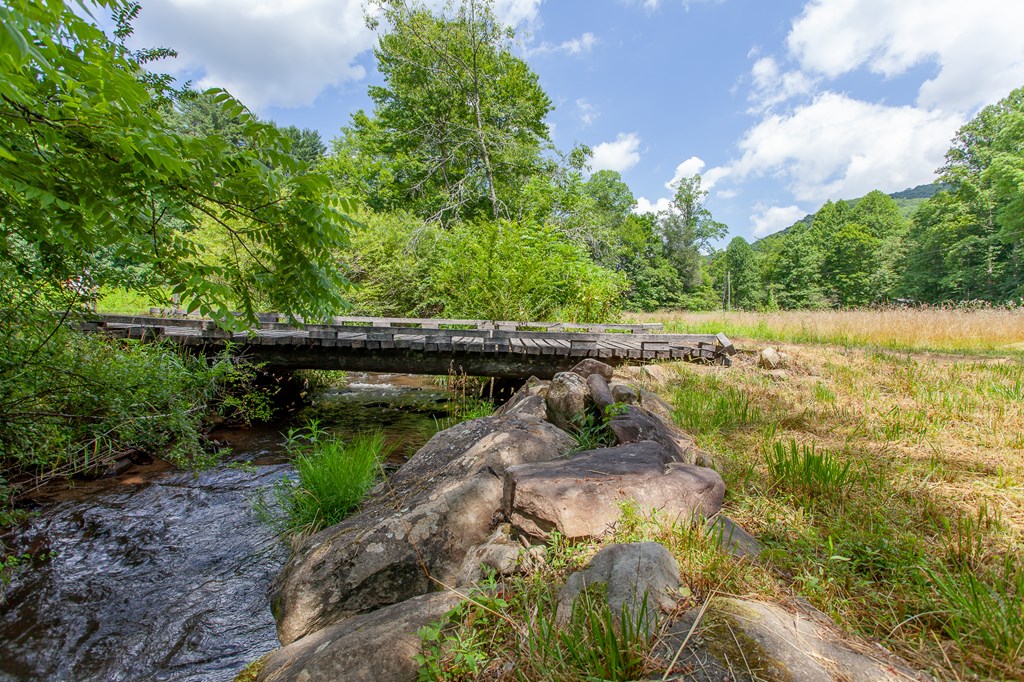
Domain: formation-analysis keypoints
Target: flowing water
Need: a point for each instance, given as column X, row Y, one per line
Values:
column 163, row 575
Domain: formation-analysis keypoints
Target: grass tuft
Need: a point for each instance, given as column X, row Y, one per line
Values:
column 805, row 472
column 333, row 477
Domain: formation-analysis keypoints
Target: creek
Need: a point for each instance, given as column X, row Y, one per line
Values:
column 159, row 574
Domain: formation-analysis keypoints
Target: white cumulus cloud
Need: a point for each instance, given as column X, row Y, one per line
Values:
column 772, row 86
column 574, row 46
column 645, row 205
column 768, row 219
column 837, row 146
column 274, row 52
column 264, row 52
column 516, row 12
column 977, row 48
column 587, row 112
column 687, row 169
column 620, row 155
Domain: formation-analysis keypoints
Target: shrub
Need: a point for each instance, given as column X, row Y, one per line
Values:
column 72, row 403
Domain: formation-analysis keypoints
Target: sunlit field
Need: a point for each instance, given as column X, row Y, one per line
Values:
column 933, row 329
column 887, row 486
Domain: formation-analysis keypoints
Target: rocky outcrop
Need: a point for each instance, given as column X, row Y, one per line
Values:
column 633, row 575
column 581, row 497
column 741, row 640
column 445, row 500
column 381, row 645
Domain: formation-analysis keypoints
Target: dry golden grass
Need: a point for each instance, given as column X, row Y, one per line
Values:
column 951, row 330
column 936, row 444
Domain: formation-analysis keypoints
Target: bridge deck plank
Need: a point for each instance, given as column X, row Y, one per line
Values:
column 494, row 346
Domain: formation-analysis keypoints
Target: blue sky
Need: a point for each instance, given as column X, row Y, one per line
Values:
column 779, row 104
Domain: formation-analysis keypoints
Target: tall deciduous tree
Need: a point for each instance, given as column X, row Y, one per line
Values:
column 88, row 161
column 458, row 125
column 687, row 230
column 743, row 283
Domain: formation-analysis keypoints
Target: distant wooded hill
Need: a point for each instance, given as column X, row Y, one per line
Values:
column 908, row 201
column 958, row 239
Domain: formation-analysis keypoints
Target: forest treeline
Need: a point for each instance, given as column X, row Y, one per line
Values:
column 464, row 207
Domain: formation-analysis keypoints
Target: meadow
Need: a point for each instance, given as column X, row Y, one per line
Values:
column 887, row 485
column 956, row 329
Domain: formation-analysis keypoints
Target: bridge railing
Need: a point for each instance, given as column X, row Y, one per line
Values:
column 279, row 321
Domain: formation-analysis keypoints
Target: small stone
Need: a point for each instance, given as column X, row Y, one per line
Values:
column 769, row 358
column 624, row 393
column 500, row 553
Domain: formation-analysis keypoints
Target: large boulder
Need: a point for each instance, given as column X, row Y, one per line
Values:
column 635, row 425
column 741, row 640
column 589, row 366
column 631, row 574
column 567, row 399
column 421, row 521
column 581, row 497
column 381, row 645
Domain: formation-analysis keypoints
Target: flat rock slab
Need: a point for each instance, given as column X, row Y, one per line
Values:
column 425, row 518
column 733, row 538
column 743, row 641
column 580, row 497
column 632, row 574
column 375, row 646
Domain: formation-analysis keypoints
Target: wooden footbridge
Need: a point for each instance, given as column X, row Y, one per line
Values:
column 423, row 346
